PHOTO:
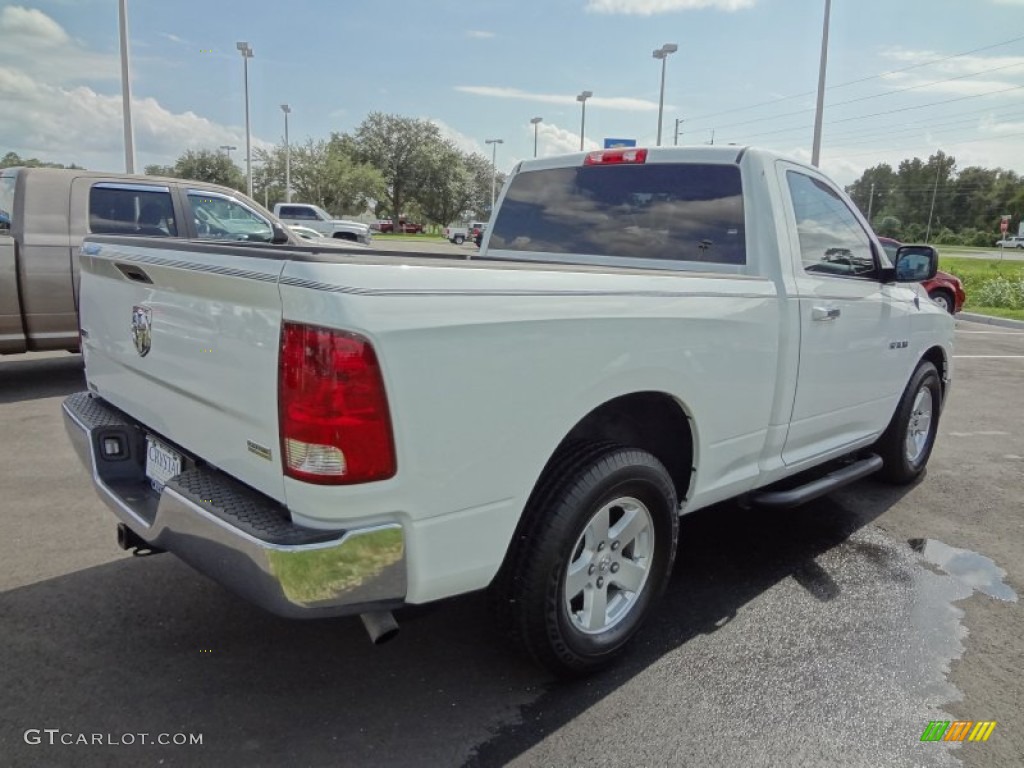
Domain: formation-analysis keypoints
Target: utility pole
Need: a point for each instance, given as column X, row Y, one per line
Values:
column 679, row 121
column 818, row 113
column 871, row 202
column 126, row 90
column 935, row 190
column 712, row 142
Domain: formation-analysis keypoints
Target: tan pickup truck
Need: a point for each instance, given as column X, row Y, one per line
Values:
column 45, row 213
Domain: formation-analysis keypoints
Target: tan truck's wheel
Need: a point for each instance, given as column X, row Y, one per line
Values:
column 592, row 557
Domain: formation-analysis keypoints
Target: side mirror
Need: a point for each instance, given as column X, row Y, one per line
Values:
column 280, row 237
column 915, row 263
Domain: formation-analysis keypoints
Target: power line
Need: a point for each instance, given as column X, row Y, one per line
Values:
column 948, row 144
column 857, row 133
column 860, row 80
column 874, row 96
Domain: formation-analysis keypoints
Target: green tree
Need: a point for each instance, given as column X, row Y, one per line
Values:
column 209, row 166
column 400, row 148
column 12, row 160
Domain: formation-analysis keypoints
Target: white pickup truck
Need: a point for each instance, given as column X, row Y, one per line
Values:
column 644, row 333
column 315, row 217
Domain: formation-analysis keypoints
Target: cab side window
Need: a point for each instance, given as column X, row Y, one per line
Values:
column 832, row 241
column 126, row 209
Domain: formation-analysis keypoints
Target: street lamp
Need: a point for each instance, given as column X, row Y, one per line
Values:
column 246, row 52
column 287, row 156
column 582, row 99
column 679, row 121
column 536, row 121
column 816, row 150
column 662, row 53
column 126, row 90
column 227, row 149
column 494, row 164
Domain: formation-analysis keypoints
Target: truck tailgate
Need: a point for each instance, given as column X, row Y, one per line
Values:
column 187, row 344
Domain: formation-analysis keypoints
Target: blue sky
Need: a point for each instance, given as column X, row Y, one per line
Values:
column 482, row 69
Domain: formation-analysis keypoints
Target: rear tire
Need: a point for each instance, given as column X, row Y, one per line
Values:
column 459, row 240
column 907, row 442
column 944, row 299
column 591, row 557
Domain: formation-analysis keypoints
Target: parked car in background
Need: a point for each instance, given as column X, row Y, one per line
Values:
column 407, row 227
column 48, row 211
column 315, row 217
column 316, row 238
column 461, row 233
column 944, row 289
column 1011, row 242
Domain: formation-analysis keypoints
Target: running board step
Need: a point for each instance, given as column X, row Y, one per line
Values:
column 819, row 487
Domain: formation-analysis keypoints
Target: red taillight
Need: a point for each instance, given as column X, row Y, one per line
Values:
column 622, row 156
column 334, row 419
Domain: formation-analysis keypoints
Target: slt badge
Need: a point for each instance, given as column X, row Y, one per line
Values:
column 142, row 324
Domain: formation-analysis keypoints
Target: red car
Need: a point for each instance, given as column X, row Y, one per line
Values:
column 944, row 289
column 408, row 227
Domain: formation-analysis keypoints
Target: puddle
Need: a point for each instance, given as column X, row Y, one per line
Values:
column 976, row 571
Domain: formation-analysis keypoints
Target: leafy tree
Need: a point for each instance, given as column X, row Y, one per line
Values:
column 400, row 148
column 209, row 166
column 13, row 160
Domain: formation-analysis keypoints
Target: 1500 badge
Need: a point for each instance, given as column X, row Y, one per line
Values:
column 899, row 344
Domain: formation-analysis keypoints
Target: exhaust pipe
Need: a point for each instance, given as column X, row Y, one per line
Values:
column 129, row 539
column 380, row 626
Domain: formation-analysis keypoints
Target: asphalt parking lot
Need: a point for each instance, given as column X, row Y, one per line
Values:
column 827, row 635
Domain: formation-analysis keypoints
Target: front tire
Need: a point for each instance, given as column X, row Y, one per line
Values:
column 459, row 240
column 591, row 557
column 907, row 442
column 345, row 236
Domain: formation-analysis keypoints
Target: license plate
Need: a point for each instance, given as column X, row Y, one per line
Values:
column 161, row 463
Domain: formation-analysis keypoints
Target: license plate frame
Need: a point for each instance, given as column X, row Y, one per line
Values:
column 162, row 463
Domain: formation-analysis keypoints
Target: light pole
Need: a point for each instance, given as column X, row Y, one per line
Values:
column 126, row 90
column 287, row 156
column 662, row 53
column 816, row 150
column 494, row 164
column 246, row 52
column 679, row 121
column 582, row 99
column 536, row 121
column 227, row 149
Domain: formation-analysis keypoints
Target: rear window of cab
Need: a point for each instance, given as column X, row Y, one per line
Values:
column 671, row 212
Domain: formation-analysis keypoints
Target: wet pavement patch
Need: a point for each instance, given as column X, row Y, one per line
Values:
column 976, row 571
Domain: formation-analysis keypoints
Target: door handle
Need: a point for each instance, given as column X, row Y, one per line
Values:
column 825, row 313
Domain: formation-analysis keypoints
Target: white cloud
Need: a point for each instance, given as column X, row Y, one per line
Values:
column 173, row 38
column 479, row 34
column 652, row 7
column 552, row 140
column 33, row 24
column 83, row 126
column 47, row 112
column 461, row 140
column 32, row 40
column 608, row 102
column 960, row 73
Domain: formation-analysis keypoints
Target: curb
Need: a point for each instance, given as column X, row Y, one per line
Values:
column 987, row 320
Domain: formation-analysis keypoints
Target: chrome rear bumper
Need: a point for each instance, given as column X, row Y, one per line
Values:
column 235, row 535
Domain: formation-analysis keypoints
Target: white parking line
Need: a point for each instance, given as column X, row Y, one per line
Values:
column 996, row 333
